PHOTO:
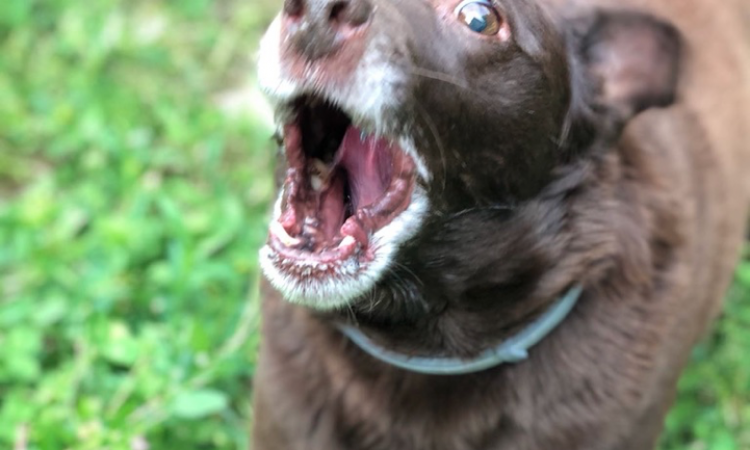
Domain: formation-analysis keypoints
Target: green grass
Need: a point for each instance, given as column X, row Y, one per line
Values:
column 712, row 411
column 131, row 209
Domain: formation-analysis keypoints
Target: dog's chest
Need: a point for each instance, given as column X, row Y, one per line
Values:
column 323, row 395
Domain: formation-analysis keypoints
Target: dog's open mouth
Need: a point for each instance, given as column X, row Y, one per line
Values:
column 342, row 186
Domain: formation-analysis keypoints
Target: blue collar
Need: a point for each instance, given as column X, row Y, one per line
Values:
column 512, row 350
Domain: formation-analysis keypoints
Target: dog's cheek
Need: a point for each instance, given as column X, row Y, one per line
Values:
column 494, row 140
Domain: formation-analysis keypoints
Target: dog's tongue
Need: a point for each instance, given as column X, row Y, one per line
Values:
column 368, row 163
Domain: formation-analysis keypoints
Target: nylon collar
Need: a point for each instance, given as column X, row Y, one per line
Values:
column 512, row 350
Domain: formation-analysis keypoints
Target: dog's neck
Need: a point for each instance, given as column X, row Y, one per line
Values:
column 512, row 350
column 474, row 279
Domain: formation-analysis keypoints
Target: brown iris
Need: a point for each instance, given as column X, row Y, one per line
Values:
column 480, row 16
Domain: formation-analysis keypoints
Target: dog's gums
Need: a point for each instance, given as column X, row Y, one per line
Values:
column 341, row 186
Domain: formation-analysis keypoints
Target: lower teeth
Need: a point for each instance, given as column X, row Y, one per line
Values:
column 347, row 241
column 320, row 172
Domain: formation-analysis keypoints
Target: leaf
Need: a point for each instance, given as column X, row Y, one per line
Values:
column 743, row 273
column 121, row 347
column 20, row 360
column 723, row 441
column 199, row 403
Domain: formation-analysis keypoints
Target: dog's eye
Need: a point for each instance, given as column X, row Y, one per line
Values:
column 480, row 16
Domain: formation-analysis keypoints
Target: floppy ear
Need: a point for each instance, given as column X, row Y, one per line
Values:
column 625, row 62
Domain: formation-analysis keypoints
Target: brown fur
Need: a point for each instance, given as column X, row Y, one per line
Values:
column 651, row 227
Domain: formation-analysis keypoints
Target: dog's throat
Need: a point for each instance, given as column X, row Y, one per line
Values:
column 511, row 350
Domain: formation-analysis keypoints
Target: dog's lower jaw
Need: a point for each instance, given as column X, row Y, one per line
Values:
column 333, row 286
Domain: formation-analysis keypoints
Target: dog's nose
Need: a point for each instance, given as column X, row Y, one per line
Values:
column 320, row 27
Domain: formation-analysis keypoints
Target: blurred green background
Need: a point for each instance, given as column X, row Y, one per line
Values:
column 135, row 175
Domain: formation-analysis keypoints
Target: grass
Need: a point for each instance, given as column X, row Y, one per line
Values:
column 133, row 207
column 133, row 196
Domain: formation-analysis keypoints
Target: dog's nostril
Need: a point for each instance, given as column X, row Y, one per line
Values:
column 294, row 8
column 349, row 12
column 337, row 9
column 318, row 28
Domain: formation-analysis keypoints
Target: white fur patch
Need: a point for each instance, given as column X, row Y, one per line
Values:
column 271, row 77
column 373, row 89
column 407, row 145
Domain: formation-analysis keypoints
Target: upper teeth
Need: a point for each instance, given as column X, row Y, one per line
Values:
column 280, row 232
column 316, row 182
column 320, row 173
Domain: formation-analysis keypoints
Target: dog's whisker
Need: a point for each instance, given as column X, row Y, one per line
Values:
column 405, row 268
column 352, row 315
column 437, row 139
column 496, row 207
column 439, row 76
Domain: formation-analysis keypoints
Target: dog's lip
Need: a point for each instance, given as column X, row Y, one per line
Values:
column 284, row 245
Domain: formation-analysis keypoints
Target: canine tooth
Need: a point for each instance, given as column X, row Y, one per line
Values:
column 353, row 227
column 348, row 241
column 321, row 168
column 278, row 230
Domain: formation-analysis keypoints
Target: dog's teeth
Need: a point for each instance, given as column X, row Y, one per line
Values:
column 278, row 230
column 320, row 172
column 347, row 243
column 316, row 182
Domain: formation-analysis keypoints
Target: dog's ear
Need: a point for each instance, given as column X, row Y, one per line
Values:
column 623, row 62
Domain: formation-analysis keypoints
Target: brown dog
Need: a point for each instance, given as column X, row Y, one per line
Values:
column 456, row 174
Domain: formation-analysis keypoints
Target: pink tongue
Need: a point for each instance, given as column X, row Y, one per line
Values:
column 367, row 161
